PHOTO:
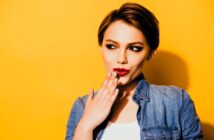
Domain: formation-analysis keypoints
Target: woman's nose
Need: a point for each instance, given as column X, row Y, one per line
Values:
column 122, row 59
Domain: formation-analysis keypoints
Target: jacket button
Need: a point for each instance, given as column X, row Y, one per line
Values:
column 163, row 137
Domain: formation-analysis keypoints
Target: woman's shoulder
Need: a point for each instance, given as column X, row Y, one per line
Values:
column 168, row 92
column 170, row 95
column 168, row 89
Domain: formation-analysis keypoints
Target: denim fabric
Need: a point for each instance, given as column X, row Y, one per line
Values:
column 165, row 112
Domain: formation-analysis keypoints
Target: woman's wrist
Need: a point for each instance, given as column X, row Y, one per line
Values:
column 83, row 125
column 83, row 132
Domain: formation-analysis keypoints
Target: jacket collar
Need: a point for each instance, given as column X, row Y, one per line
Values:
column 142, row 90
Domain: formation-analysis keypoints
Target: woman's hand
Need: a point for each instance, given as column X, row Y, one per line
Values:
column 98, row 108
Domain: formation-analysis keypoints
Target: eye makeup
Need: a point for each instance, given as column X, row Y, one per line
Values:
column 136, row 48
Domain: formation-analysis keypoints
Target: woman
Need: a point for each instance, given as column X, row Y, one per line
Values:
column 127, row 107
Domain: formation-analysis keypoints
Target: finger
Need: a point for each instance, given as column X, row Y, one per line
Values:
column 109, row 89
column 104, row 86
column 110, row 83
column 90, row 96
column 113, row 86
column 107, row 80
column 99, row 93
column 113, row 76
column 106, row 90
column 113, row 97
column 105, row 83
column 115, row 94
column 109, row 92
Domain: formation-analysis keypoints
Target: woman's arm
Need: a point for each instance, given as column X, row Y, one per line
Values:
column 83, row 132
column 191, row 125
column 74, row 118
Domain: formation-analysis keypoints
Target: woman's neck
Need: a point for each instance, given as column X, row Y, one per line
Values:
column 127, row 90
column 124, row 102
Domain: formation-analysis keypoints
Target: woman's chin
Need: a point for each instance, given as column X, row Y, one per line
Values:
column 126, row 81
column 122, row 82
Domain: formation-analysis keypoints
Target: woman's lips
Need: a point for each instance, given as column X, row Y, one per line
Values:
column 121, row 71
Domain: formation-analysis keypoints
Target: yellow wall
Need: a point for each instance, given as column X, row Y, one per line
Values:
column 49, row 55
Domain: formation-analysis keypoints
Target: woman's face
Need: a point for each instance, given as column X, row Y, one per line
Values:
column 124, row 46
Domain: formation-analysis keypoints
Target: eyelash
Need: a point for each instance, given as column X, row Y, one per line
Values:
column 138, row 48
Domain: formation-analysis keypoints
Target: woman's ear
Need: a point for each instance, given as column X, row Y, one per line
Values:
column 150, row 56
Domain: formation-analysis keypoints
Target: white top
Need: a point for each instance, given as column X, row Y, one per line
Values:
column 122, row 131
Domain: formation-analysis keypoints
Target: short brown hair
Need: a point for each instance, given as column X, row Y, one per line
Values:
column 136, row 15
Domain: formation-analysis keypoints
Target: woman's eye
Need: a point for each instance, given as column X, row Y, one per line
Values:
column 110, row 46
column 135, row 48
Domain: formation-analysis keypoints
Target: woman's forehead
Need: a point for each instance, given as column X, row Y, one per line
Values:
column 122, row 32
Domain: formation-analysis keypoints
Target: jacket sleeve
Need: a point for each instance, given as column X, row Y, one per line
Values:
column 191, row 126
column 74, row 117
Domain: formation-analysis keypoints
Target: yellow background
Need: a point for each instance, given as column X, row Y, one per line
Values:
column 49, row 56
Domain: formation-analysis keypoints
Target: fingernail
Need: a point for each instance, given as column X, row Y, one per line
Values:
column 114, row 74
column 117, row 90
column 109, row 74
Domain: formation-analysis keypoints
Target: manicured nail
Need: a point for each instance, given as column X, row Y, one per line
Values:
column 117, row 91
column 109, row 73
column 114, row 74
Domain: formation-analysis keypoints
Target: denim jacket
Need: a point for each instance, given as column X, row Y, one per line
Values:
column 165, row 112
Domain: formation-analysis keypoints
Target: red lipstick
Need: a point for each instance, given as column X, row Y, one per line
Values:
column 121, row 71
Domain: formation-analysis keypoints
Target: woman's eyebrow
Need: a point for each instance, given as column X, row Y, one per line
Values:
column 138, row 42
column 132, row 43
column 110, row 40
